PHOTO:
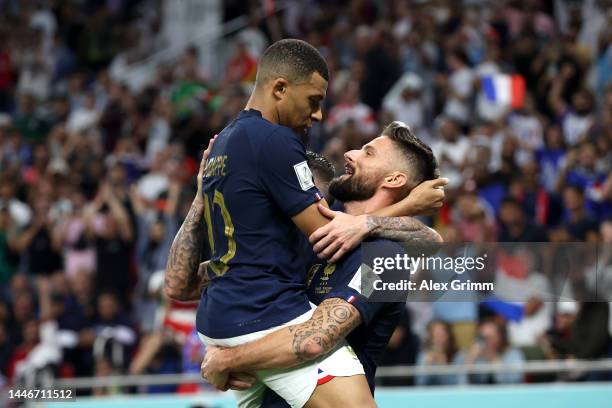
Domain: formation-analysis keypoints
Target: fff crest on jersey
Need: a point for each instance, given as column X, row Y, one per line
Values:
column 327, row 271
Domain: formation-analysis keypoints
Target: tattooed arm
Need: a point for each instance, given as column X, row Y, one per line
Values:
column 184, row 278
column 331, row 321
column 406, row 229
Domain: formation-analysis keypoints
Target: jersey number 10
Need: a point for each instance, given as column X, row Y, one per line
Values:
column 220, row 266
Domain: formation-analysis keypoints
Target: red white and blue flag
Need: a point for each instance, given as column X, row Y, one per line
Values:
column 503, row 89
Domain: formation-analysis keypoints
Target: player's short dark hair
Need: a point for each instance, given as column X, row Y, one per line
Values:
column 319, row 165
column 292, row 59
column 420, row 158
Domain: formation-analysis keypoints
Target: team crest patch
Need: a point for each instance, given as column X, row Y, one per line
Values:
column 304, row 175
column 327, row 271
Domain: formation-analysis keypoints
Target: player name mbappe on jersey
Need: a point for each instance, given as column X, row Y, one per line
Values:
column 215, row 166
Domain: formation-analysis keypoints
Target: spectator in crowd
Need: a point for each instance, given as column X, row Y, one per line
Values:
column 458, row 87
column 492, row 345
column 405, row 103
column 113, row 234
column 577, row 121
column 540, row 206
column 402, row 349
column 351, row 109
column 551, row 157
column 515, row 226
column 115, row 336
column 579, row 225
column 8, row 257
column 473, row 221
column 535, row 297
column 580, row 333
column 590, row 337
column 451, row 148
column 242, row 67
column 526, row 126
column 439, row 349
column 555, row 342
column 460, row 312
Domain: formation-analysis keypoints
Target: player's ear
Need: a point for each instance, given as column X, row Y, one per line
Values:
column 279, row 88
column 396, row 180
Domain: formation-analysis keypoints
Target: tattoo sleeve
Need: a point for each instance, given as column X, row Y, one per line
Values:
column 183, row 280
column 331, row 322
column 407, row 229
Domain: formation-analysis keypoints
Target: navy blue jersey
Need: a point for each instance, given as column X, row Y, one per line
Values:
column 379, row 320
column 256, row 178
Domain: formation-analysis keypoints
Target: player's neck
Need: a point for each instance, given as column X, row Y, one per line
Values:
column 257, row 102
column 375, row 203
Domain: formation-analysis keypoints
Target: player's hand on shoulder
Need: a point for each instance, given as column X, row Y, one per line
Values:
column 343, row 233
column 427, row 197
column 205, row 155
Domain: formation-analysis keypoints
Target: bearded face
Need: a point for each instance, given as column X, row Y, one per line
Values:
column 354, row 187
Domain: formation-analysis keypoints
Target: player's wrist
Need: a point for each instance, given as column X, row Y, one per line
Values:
column 227, row 360
column 372, row 226
column 411, row 206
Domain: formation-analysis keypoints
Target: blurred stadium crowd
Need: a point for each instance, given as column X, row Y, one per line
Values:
column 96, row 177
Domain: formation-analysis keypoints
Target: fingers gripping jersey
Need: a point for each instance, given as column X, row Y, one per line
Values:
column 255, row 180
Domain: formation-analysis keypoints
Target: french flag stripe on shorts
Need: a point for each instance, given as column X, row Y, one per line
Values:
column 323, row 378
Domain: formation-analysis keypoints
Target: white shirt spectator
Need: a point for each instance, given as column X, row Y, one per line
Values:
column 410, row 111
column 254, row 39
column 81, row 119
column 45, row 21
column 454, row 156
column 494, row 143
column 527, row 129
column 151, row 185
column 159, row 134
column 575, row 127
column 529, row 133
column 20, row 212
column 461, row 83
column 35, row 80
column 526, row 332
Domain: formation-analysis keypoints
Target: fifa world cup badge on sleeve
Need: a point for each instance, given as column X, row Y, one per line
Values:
column 304, row 176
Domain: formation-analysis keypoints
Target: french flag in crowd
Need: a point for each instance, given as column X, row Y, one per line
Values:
column 503, row 89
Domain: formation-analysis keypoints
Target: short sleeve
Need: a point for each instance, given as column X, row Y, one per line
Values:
column 284, row 172
column 347, row 284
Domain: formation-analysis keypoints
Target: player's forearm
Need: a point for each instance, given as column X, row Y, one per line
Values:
column 331, row 322
column 273, row 351
column 406, row 229
column 182, row 281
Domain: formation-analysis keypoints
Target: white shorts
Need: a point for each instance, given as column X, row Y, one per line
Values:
column 295, row 385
